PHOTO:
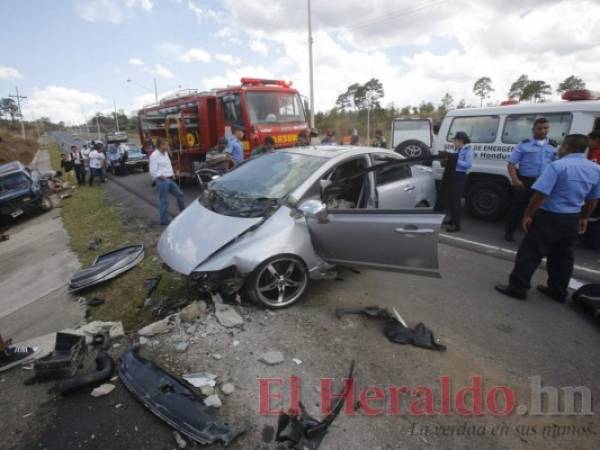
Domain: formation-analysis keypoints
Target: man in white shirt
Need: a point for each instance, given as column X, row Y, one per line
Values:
column 161, row 171
column 96, row 163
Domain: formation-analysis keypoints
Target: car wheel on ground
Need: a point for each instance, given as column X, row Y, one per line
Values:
column 278, row 282
column 487, row 200
column 412, row 149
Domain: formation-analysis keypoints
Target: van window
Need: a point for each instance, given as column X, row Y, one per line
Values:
column 411, row 125
column 480, row 128
column 518, row 126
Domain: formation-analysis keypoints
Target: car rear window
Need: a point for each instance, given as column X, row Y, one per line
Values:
column 411, row 125
column 479, row 128
column 518, row 126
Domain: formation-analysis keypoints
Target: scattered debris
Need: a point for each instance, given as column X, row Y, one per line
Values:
column 588, row 297
column 179, row 440
column 162, row 326
column 172, row 401
column 297, row 361
column 115, row 330
column 95, row 301
column 213, row 400
column 101, row 340
column 227, row 316
column 94, row 245
column 26, row 415
column 151, row 284
column 200, row 379
column 217, row 356
column 63, row 361
column 228, row 388
column 181, row 346
column 143, row 340
column 104, row 369
column 395, row 328
column 107, row 266
column 102, row 390
column 303, row 432
column 16, row 355
column 118, row 405
column 192, row 311
column 272, row 358
column 207, row 390
column 65, row 195
column 235, row 343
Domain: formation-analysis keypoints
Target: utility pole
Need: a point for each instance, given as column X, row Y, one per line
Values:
column 19, row 97
column 155, row 91
column 310, row 69
column 98, row 128
column 116, row 116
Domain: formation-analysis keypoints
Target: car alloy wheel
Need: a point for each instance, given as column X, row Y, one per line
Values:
column 279, row 282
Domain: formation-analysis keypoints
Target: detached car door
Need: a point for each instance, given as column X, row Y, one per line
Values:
column 395, row 240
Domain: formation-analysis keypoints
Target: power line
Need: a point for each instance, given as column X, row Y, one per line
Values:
column 391, row 16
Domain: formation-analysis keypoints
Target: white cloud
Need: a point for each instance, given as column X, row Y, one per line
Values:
column 6, row 73
column 113, row 11
column 227, row 34
column 136, row 61
column 202, row 14
column 161, row 71
column 259, row 46
column 195, row 55
column 233, row 76
column 60, row 103
column 228, row 59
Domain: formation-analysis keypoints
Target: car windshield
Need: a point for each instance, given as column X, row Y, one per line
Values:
column 274, row 107
column 256, row 185
column 132, row 150
column 14, row 182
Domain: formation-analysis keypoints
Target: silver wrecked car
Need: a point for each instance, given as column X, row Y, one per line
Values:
column 282, row 218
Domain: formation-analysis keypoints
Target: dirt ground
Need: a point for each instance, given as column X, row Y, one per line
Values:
column 12, row 148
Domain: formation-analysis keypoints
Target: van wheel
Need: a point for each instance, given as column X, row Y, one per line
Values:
column 487, row 200
column 278, row 282
column 412, row 149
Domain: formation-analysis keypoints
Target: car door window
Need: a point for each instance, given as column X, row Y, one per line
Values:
column 390, row 174
column 348, row 187
column 518, row 126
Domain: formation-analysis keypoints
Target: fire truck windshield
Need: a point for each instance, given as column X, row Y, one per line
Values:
column 274, row 107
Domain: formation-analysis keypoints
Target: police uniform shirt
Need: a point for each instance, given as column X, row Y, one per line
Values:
column 568, row 183
column 533, row 156
column 465, row 159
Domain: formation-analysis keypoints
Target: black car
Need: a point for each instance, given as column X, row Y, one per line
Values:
column 20, row 191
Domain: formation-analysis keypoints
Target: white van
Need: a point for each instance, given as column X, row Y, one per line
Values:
column 495, row 131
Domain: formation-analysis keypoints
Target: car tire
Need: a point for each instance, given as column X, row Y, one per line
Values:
column 487, row 200
column 413, row 149
column 277, row 283
column 46, row 203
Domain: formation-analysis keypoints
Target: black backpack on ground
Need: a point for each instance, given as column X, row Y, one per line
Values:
column 588, row 297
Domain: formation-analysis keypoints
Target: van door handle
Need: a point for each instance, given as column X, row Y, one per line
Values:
column 409, row 187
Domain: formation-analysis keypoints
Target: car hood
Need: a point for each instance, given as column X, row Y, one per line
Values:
column 197, row 233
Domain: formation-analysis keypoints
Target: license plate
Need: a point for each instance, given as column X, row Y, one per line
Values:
column 16, row 213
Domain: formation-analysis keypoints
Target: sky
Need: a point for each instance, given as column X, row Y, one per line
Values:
column 71, row 58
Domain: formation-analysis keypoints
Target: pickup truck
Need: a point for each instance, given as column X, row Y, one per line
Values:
column 21, row 191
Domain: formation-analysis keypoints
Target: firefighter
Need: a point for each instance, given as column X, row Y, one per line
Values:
column 235, row 148
column 564, row 196
column 379, row 140
column 267, row 147
column 531, row 156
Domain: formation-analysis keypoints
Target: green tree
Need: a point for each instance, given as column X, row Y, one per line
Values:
column 569, row 84
column 345, row 101
column 406, row 111
column 482, row 88
column 517, row 88
column 368, row 95
column 461, row 104
column 426, row 109
column 9, row 106
column 536, row 90
column 447, row 101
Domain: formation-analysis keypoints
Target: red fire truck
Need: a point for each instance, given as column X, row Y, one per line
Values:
column 193, row 121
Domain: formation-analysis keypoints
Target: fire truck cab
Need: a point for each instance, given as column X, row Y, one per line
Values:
column 193, row 121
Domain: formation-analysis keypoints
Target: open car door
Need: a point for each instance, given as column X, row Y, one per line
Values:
column 395, row 240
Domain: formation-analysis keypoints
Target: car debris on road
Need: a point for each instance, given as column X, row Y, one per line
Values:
column 396, row 329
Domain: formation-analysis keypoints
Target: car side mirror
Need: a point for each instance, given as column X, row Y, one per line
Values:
column 314, row 209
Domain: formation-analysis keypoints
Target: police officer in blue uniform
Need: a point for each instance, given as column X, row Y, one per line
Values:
column 526, row 163
column 564, row 197
column 459, row 178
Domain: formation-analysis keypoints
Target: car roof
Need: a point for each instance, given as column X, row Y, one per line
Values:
column 529, row 108
column 13, row 166
column 334, row 151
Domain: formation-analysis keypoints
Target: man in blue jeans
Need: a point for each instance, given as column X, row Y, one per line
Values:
column 161, row 171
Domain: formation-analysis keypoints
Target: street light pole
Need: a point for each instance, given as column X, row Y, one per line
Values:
column 98, row 128
column 116, row 116
column 310, row 69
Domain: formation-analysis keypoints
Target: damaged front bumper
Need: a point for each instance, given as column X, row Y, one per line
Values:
column 173, row 401
column 227, row 281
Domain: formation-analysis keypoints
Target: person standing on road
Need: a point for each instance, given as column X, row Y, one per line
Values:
column 161, row 171
column 531, row 156
column 379, row 140
column 459, row 178
column 564, row 197
column 77, row 159
column 97, row 159
column 66, row 164
column 85, row 154
column 235, row 148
